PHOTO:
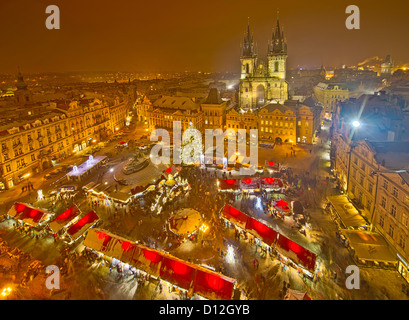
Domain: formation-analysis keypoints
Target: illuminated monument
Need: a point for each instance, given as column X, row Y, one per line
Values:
column 263, row 82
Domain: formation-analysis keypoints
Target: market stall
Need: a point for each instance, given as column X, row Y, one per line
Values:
column 250, row 184
column 296, row 255
column 296, row 295
column 185, row 222
column 85, row 168
column 82, row 225
column 347, row 216
column 280, row 207
column 272, row 166
column 161, row 265
column 229, row 185
column 370, row 248
column 272, row 184
column 26, row 214
column 64, row 220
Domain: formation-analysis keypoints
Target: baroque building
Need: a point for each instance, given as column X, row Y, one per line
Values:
column 35, row 136
column 263, row 81
column 214, row 110
column 164, row 111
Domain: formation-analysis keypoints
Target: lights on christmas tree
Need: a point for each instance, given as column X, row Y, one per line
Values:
column 192, row 146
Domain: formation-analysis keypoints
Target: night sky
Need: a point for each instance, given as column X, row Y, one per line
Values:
column 179, row 35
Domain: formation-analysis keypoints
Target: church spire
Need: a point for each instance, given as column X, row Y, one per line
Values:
column 248, row 44
column 21, row 85
column 278, row 43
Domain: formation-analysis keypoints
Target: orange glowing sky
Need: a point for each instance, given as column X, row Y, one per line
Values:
column 178, row 35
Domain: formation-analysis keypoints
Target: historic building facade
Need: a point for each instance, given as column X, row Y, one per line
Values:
column 392, row 214
column 167, row 109
column 263, row 81
column 292, row 122
column 214, row 111
column 246, row 120
column 328, row 95
column 38, row 135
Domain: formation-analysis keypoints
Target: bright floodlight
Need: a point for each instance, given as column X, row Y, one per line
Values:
column 356, row 124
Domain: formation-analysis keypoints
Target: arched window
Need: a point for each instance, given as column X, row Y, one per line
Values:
column 276, row 67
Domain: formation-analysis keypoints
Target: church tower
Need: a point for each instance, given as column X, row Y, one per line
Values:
column 22, row 95
column 248, row 56
column 277, row 53
column 262, row 81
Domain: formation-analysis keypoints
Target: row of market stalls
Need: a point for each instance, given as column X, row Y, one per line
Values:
column 68, row 224
column 161, row 265
column 251, row 184
column 368, row 248
column 167, row 187
column 295, row 254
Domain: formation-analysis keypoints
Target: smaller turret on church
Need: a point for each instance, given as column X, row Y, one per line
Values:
column 22, row 95
column 248, row 55
column 277, row 53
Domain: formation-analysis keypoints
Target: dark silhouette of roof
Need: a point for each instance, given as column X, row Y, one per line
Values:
column 213, row 97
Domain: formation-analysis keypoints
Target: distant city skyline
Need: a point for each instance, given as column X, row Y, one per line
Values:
column 181, row 35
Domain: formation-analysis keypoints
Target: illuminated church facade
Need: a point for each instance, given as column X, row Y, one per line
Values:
column 263, row 81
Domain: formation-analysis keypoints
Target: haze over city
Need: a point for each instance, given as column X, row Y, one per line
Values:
column 166, row 36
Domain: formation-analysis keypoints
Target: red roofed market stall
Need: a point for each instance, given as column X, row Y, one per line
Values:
column 64, row 220
column 185, row 275
column 29, row 215
column 229, row 185
column 82, row 225
column 298, row 255
column 251, row 184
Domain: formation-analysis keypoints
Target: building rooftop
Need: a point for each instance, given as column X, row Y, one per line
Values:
column 392, row 155
column 169, row 102
column 213, row 97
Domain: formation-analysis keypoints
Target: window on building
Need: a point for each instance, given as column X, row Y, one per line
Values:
column 391, row 230
column 395, row 192
column 393, row 211
column 383, row 202
column 402, row 241
column 385, row 185
column 405, row 220
column 370, row 188
column 368, row 204
column 381, row 221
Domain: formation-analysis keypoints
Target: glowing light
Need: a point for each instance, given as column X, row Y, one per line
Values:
column 40, row 195
column 356, row 124
column 204, row 228
column 230, row 254
column 6, row 292
column 258, row 204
